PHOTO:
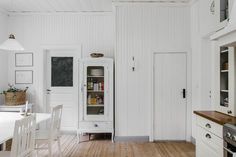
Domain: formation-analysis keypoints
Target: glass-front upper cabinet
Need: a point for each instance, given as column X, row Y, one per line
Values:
column 226, row 94
column 96, row 89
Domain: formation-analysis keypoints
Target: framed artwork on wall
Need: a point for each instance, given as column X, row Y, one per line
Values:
column 24, row 59
column 23, row 77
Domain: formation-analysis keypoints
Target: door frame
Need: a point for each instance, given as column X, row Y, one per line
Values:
column 42, row 81
column 188, row 95
column 48, row 48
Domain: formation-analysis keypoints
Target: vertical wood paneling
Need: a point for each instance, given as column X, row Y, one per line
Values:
column 141, row 31
column 94, row 32
column 201, row 64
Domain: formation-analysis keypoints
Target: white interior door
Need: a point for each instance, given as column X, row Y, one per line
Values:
column 62, row 85
column 169, row 100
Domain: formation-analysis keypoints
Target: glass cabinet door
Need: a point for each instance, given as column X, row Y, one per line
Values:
column 95, row 93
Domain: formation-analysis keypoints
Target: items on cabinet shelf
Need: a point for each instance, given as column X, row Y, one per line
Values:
column 95, row 99
column 95, row 86
column 96, row 72
column 90, row 84
column 225, row 66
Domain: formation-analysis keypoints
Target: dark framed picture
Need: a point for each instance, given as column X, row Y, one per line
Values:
column 24, row 59
column 23, row 77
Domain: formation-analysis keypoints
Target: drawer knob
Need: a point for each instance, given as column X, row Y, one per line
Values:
column 208, row 136
column 95, row 125
column 208, row 125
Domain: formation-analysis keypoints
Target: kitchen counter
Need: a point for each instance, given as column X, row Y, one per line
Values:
column 216, row 117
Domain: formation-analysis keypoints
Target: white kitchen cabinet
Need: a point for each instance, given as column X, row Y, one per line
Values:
column 209, row 140
column 208, row 16
column 96, row 96
column 224, row 80
column 204, row 150
column 214, row 15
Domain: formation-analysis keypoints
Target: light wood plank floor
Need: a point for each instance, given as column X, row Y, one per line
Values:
column 105, row 148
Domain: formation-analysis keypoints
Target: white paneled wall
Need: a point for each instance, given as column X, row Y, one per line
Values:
column 94, row 31
column 196, row 62
column 201, row 65
column 141, row 31
column 3, row 55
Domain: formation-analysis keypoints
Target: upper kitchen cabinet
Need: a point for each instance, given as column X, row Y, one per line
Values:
column 208, row 16
column 223, row 87
column 214, row 15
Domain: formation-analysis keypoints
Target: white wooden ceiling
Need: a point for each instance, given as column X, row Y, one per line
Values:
column 67, row 5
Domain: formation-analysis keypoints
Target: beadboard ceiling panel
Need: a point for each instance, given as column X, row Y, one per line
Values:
column 160, row 1
column 56, row 5
column 67, row 5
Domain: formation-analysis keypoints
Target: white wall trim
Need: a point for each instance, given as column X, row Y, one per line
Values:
column 132, row 138
column 149, row 4
column 188, row 101
column 60, row 13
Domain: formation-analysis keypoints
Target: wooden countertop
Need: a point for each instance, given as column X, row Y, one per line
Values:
column 217, row 117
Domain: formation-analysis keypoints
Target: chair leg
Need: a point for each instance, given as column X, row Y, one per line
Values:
column 59, row 147
column 37, row 150
column 50, row 148
column 78, row 137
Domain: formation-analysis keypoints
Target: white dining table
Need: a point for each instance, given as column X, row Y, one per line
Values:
column 7, row 123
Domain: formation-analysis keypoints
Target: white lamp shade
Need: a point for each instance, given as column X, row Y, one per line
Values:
column 11, row 45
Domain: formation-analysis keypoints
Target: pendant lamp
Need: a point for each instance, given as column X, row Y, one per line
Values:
column 11, row 44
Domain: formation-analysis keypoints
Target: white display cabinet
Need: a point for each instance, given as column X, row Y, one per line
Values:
column 96, row 96
column 224, row 92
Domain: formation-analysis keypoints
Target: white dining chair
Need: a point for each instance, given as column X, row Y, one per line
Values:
column 23, row 139
column 52, row 134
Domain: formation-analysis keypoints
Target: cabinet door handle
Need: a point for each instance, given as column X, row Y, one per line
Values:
column 208, row 136
column 184, row 93
column 95, row 125
column 208, row 125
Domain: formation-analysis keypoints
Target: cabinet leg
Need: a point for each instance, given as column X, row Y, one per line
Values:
column 112, row 137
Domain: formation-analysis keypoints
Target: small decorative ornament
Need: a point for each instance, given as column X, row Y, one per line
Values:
column 212, row 8
column 96, row 55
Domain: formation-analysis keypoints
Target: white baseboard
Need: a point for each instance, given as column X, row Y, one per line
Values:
column 132, row 138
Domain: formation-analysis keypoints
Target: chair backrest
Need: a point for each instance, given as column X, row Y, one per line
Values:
column 24, row 137
column 56, row 121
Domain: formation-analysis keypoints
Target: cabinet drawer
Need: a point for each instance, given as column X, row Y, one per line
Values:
column 211, row 140
column 203, row 150
column 210, row 126
column 96, row 125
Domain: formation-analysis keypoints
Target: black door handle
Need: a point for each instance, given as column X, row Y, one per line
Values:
column 48, row 90
column 184, row 93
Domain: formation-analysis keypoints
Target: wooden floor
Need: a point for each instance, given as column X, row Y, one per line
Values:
column 105, row 148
